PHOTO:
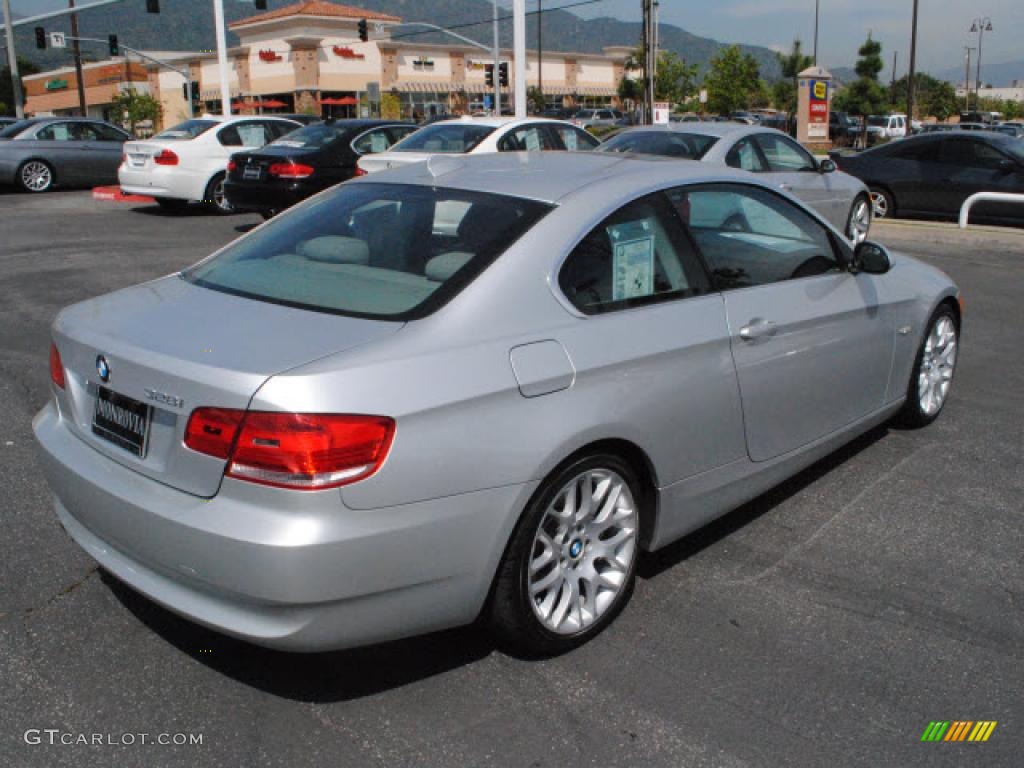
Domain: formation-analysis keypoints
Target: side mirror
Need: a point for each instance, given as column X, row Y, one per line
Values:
column 827, row 165
column 1007, row 166
column 872, row 258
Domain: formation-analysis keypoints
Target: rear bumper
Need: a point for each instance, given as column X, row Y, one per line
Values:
column 263, row 197
column 295, row 571
column 162, row 181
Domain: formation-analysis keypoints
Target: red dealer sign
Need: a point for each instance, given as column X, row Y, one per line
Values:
column 817, row 105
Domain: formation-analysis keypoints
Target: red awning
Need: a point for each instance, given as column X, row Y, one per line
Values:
column 273, row 104
column 344, row 101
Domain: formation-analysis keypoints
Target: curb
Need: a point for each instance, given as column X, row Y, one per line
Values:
column 114, row 194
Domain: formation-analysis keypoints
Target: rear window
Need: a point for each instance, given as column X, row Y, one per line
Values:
column 187, row 130
column 312, row 136
column 14, row 129
column 688, row 146
column 384, row 251
column 453, row 138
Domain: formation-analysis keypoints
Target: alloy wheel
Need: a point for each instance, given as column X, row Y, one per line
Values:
column 36, row 176
column 583, row 551
column 220, row 198
column 860, row 221
column 880, row 205
column 937, row 365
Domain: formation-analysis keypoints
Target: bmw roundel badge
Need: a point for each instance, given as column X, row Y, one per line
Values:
column 103, row 368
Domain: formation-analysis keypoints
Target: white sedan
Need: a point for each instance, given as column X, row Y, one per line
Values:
column 476, row 135
column 188, row 162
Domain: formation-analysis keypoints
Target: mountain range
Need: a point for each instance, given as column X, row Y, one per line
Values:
column 1001, row 74
column 188, row 25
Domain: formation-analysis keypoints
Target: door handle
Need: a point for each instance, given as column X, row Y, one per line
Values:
column 785, row 187
column 758, row 328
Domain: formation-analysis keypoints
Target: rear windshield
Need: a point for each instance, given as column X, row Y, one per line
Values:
column 312, row 136
column 688, row 146
column 385, row 251
column 880, row 122
column 451, row 138
column 187, row 130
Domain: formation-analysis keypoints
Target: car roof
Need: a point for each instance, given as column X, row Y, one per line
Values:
column 550, row 176
column 497, row 122
column 718, row 130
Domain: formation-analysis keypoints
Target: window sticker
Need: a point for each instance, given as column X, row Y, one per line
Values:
column 571, row 140
column 632, row 259
column 251, row 135
column 532, row 140
column 378, row 142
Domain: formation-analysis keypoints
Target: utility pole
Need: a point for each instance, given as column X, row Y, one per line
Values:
column 655, row 10
column 77, row 50
column 892, row 81
column 222, row 57
column 12, row 62
column 817, row 4
column 910, row 71
column 967, row 77
column 648, row 62
column 497, row 62
column 519, row 52
column 540, row 52
column 981, row 26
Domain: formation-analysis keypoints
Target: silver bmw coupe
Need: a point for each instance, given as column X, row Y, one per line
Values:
column 473, row 388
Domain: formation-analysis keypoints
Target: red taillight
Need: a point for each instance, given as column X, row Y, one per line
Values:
column 361, row 172
column 232, row 165
column 56, row 366
column 290, row 170
column 305, row 451
column 166, row 157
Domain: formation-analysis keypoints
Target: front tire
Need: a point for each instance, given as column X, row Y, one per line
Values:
column 571, row 564
column 882, row 204
column 215, row 196
column 858, row 223
column 36, row 176
column 932, row 375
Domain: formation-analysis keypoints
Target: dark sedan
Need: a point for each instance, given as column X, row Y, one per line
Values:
column 932, row 174
column 40, row 154
column 305, row 162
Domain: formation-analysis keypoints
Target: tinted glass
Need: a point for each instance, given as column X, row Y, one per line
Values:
column 186, row 130
column 688, row 146
column 56, row 132
column 245, row 134
column 279, row 128
column 15, row 128
column 921, row 152
column 574, row 139
column 879, row 122
column 971, row 153
column 745, row 156
column 445, row 137
column 526, row 138
column 638, row 255
column 784, row 155
column 750, row 236
column 312, row 136
column 371, row 142
column 389, row 251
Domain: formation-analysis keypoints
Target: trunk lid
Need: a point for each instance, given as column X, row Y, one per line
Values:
column 139, row 154
column 175, row 346
column 385, row 160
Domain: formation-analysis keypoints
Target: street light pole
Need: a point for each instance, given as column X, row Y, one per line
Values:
column 981, row 26
column 817, row 4
column 540, row 52
column 497, row 63
column 12, row 62
column 910, row 71
column 519, row 52
column 967, row 77
column 222, row 58
column 77, row 50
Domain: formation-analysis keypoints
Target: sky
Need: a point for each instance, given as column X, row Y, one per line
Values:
column 843, row 25
column 942, row 29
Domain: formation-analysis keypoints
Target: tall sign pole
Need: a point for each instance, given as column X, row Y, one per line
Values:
column 540, row 52
column 77, row 50
column 910, row 71
column 12, row 62
column 497, row 63
column 222, row 57
column 519, row 50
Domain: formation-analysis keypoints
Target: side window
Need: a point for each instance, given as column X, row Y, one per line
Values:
column 55, row 132
column 279, row 128
column 636, row 256
column 399, row 132
column 971, row 153
column 750, row 236
column 525, row 138
column 784, row 154
column 745, row 156
column 923, row 152
column 108, row 133
column 372, row 142
column 229, row 137
column 575, row 139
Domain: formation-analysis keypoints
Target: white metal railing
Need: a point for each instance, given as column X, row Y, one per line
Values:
column 995, row 197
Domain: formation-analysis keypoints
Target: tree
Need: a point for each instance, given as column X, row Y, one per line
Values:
column 535, row 98
column 131, row 107
column 865, row 96
column 936, row 98
column 390, row 106
column 25, row 67
column 732, row 80
column 675, row 80
column 793, row 63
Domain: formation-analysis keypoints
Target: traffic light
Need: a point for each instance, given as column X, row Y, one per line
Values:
column 152, row 6
column 115, row 49
column 503, row 74
column 489, row 75
column 260, row 5
column 40, row 37
column 364, row 33
column 195, row 91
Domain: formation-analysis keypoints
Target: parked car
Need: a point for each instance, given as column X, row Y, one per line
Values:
column 590, row 118
column 843, row 129
column 931, row 175
column 6, row 121
column 1017, row 131
column 39, row 154
column 298, row 117
column 891, row 126
column 305, row 162
column 938, row 127
column 781, row 161
column 357, row 423
column 558, row 113
column 189, row 161
column 470, row 135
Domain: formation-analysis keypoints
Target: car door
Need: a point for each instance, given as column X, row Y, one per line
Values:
column 59, row 145
column 653, row 333
column 795, row 170
column 104, row 145
column 911, row 172
column 812, row 346
column 969, row 164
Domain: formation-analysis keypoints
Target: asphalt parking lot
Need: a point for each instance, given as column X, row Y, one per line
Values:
column 824, row 624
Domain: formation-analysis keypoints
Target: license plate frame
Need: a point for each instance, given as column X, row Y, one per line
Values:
column 252, row 173
column 117, row 419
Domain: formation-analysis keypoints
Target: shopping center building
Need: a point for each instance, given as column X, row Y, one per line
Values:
column 307, row 57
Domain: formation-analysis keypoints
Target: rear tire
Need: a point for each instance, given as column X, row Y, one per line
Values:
column 932, row 375
column 36, row 176
column 570, row 566
column 215, row 198
column 882, row 204
column 171, row 203
column 268, row 213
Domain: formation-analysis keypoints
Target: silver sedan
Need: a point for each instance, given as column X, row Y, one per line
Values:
column 839, row 197
column 475, row 387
